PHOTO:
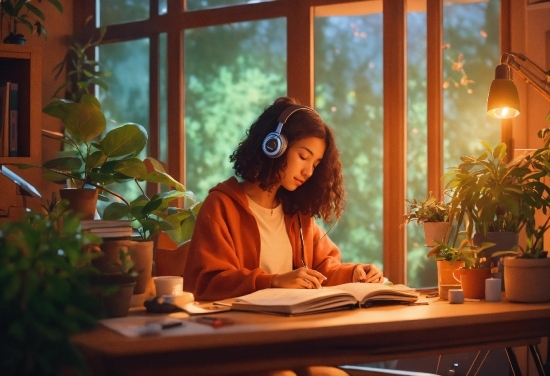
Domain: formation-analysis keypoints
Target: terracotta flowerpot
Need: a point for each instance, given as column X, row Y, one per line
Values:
column 445, row 279
column 81, row 201
column 118, row 303
column 142, row 255
column 439, row 231
column 527, row 280
column 472, row 281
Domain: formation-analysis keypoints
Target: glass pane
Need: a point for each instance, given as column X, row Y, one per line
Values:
column 470, row 55
column 163, row 6
column 205, row 4
column 351, row 102
column 421, row 271
column 232, row 72
column 127, row 100
column 471, row 37
column 117, row 12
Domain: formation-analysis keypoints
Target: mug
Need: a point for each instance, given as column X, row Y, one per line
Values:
column 168, row 285
column 472, row 281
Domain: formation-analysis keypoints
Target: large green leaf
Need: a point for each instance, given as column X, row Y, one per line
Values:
column 129, row 139
column 116, row 210
column 133, row 168
column 83, row 120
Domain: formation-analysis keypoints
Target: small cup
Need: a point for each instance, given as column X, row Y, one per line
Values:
column 169, row 285
column 456, row 296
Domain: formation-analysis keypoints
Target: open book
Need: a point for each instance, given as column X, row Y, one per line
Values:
column 299, row 301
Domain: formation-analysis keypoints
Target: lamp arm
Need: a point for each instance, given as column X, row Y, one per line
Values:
column 531, row 73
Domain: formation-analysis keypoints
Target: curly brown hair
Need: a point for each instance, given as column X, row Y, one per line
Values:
column 323, row 194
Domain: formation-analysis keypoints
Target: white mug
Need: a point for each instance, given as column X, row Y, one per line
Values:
column 168, row 285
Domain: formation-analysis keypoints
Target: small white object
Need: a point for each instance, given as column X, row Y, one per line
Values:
column 168, row 285
column 456, row 296
column 493, row 289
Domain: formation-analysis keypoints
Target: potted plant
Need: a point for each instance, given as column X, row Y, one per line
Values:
column 527, row 271
column 27, row 14
column 118, row 280
column 83, row 73
column 473, row 269
column 151, row 216
column 493, row 199
column 433, row 214
column 46, row 293
column 89, row 163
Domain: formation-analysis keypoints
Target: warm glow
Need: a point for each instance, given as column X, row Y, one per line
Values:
column 504, row 113
column 503, row 98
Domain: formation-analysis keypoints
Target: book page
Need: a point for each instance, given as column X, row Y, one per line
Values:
column 377, row 291
column 290, row 297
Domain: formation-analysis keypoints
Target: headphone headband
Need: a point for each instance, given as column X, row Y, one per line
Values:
column 283, row 117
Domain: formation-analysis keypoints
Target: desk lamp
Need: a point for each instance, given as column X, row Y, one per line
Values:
column 503, row 99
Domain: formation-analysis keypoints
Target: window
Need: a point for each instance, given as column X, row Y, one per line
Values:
column 235, row 63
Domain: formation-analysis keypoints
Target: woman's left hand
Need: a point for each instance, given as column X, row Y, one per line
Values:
column 368, row 273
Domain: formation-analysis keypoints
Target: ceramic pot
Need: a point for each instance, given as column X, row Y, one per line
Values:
column 13, row 38
column 504, row 241
column 527, row 280
column 141, row 253
column 81, row 201
column 472, row 281
column 445, row 279
column 118, row 303
column 439, row 231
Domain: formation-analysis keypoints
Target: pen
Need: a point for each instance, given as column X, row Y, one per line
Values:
column 155, row 328
column 172, row 324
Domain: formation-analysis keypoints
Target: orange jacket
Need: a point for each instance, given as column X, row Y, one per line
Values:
column 224, row 254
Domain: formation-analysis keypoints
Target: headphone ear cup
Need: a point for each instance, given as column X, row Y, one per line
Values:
column 274, row 145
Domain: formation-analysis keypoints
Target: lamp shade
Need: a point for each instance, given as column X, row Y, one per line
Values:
column 503, row 98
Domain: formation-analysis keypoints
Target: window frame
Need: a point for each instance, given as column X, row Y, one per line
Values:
column 300, row 16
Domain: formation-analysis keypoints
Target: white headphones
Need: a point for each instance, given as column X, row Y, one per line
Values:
column 275, row 143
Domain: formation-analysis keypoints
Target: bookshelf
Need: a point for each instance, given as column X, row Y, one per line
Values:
column 23, row 64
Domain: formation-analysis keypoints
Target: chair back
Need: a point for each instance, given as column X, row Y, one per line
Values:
column 170, row 259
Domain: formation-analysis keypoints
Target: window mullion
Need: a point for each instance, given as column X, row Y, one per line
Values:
column 395, row 137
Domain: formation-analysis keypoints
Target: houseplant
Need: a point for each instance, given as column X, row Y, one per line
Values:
column 527, row 271
column 46, row 294
column 433, row 214
column 82, row 72
column 27, row 14
column 493, row 199
column 89, row 164
column 118, row 280
column 465, row 260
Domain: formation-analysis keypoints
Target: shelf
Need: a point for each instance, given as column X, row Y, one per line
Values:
column 22, row 64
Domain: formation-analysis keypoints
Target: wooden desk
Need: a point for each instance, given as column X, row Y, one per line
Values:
column 262, row 342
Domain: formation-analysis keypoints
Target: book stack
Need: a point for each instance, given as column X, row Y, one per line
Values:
column 108, row 228
column 9, row 123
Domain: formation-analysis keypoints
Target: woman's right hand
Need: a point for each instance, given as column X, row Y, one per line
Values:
column 301, row 278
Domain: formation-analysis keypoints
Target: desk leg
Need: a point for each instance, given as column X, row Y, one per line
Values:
column 516, row 371
column 535, row 353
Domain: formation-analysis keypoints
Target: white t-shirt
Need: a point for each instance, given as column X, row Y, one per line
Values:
column 276, row 251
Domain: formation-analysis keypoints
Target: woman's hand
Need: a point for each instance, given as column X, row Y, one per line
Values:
column 368, row 273
column 302, row 278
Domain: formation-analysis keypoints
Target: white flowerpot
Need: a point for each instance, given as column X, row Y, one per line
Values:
column 439, row 231
column 527, row 280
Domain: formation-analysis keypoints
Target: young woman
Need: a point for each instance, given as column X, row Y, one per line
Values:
column 259, row 231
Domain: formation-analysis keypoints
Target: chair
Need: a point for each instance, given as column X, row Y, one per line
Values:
column 371, row 371
column 170, row 259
